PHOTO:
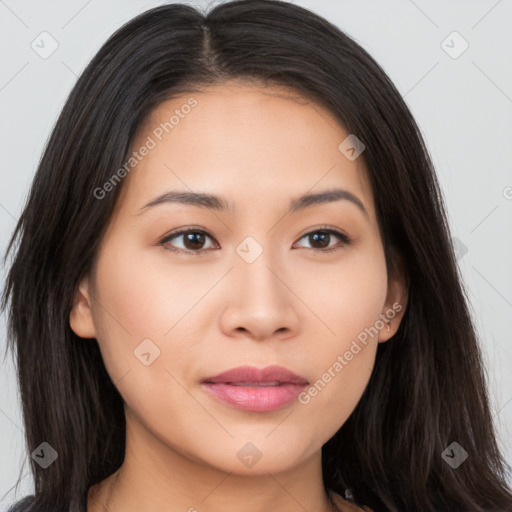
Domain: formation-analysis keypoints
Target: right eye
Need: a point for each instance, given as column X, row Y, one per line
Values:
column 193, row 240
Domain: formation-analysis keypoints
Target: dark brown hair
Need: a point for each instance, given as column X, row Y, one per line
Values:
column 427, row 389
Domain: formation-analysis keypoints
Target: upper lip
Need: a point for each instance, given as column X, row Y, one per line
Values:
column 252, row 374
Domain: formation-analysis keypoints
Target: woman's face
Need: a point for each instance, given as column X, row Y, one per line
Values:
column 256, row 284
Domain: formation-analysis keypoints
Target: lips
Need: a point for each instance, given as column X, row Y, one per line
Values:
column 249, row 375
column 253, row 389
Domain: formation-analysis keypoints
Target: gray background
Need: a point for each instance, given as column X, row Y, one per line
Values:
column 462, row 103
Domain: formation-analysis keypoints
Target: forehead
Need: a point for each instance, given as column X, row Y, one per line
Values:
column 245, row 142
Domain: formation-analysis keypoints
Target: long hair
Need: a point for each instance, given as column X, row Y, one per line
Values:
column 428, row 386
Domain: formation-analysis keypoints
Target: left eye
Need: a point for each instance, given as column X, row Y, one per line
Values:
column 194, row 239
column 323, row 236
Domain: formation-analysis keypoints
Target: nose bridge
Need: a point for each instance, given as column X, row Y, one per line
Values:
column 256, row 266
column 259, row 302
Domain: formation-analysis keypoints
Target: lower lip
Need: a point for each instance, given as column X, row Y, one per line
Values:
column 258, row 399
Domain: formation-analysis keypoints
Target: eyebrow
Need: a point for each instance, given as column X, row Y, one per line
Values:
column 219, row 203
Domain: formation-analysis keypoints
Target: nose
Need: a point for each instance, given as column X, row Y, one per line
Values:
column 259, row 302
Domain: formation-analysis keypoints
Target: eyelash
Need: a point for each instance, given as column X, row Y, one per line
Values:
column 345, row 240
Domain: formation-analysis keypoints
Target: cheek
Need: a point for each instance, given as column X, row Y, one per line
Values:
column 349, row 299
column 140, row 301
column 347, row 296
column 147, row 293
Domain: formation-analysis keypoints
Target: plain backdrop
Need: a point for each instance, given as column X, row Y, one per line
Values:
column 457, row 85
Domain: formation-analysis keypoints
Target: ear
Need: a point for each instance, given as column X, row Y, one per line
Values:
column 395, row 305
column 81, row 318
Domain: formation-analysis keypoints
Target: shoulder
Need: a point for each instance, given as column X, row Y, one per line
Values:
column 346, row 505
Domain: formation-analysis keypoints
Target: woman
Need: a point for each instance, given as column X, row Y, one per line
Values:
column 234, row 286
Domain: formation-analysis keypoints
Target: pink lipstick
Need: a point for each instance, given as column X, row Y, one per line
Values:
column 252, row 389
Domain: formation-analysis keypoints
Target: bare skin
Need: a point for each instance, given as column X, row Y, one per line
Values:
column 295, row 305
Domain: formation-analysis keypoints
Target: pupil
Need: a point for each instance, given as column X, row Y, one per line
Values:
column 323, row 236
column 193, row 238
